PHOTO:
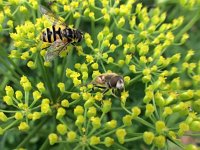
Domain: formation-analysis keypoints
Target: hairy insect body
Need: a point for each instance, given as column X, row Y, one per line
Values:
column 109, row 81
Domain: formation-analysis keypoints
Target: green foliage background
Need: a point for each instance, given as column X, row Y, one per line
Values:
column 154, row 45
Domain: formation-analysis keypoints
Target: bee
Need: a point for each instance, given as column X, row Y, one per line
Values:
column 109, row 81
column 59, row 35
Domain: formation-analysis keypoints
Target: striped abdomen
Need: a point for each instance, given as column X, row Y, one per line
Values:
column 52, row 34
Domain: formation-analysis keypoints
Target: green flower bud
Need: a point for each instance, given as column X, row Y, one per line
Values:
column 159, row 100
column 100, row 36
column 80, row 120
column 3, row 117
column 132, row 68
column 113, row 47
column 96, row 122
column 36, row 116
column 91, row 112
column 27, row 86
column 159, row 141
column 89, row 102
column 60, row 113
column 31, row 65
column 9, row 91
column 108, row 141
column 94, row 140
column 91, row 15
column 106, row 106
column 172, row 135
column 196, row 105
column 191, row 147
column 76, row 15
column 53, row 138
column 45, row 108
column 18, row 116
column 86, row 12
column 175, row 83
column 36, row 95
column 110, row 60
column 127, row 120
column 62, row 129
column 195, row 126
column 121, row 22
column 121, row 133
column 41, row 87
column 160, row 127
column 149, row 110
column 119, row 38
column 148, row 137
column 146, row 78
column 128, row 59
column 183, row 127
column 148, row 96
column 78, row 110
column 167, row 111
column 71, row 136
column 65, row 103
column 130, row 38
column 111, row 124
column 23, row 126
column 84, row 68
column 135, row 111
column 75, row 96
column 61, row 86
column 8, row 100
column 132, row 22
column 186, row 95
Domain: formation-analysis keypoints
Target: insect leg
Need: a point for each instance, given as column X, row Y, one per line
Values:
column 46, row 47
column 106, row 90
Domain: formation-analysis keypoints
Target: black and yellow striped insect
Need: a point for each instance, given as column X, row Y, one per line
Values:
column 59, row 35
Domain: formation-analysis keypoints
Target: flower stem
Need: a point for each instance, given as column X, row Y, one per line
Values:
column 188, row 26
column 144, row 122
column 32, row 133
column 133, row 139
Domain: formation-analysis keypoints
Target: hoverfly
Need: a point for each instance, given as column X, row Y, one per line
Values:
column 109, row 81
column 59, row 35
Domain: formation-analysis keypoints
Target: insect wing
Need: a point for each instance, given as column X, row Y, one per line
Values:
column 55, row 49
column 51, row 16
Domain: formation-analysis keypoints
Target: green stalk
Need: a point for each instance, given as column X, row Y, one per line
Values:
column 15, row 11
column 32, row 133
column 8, row 111
column 133, row 80
column 104, row 69
column 45, row 145
column 176, row 142
column 188, row 26
column 74, row 102
column 193, row 134
column 26, row 97
column 46, row 78
column 133, row 139
column 95, row 147
column 144, row 122
column 10, row 125
column 77, row 147
column 156, row 111
column 112, row 131
column 7, row 66
column 120, row 147
column 9, row 77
